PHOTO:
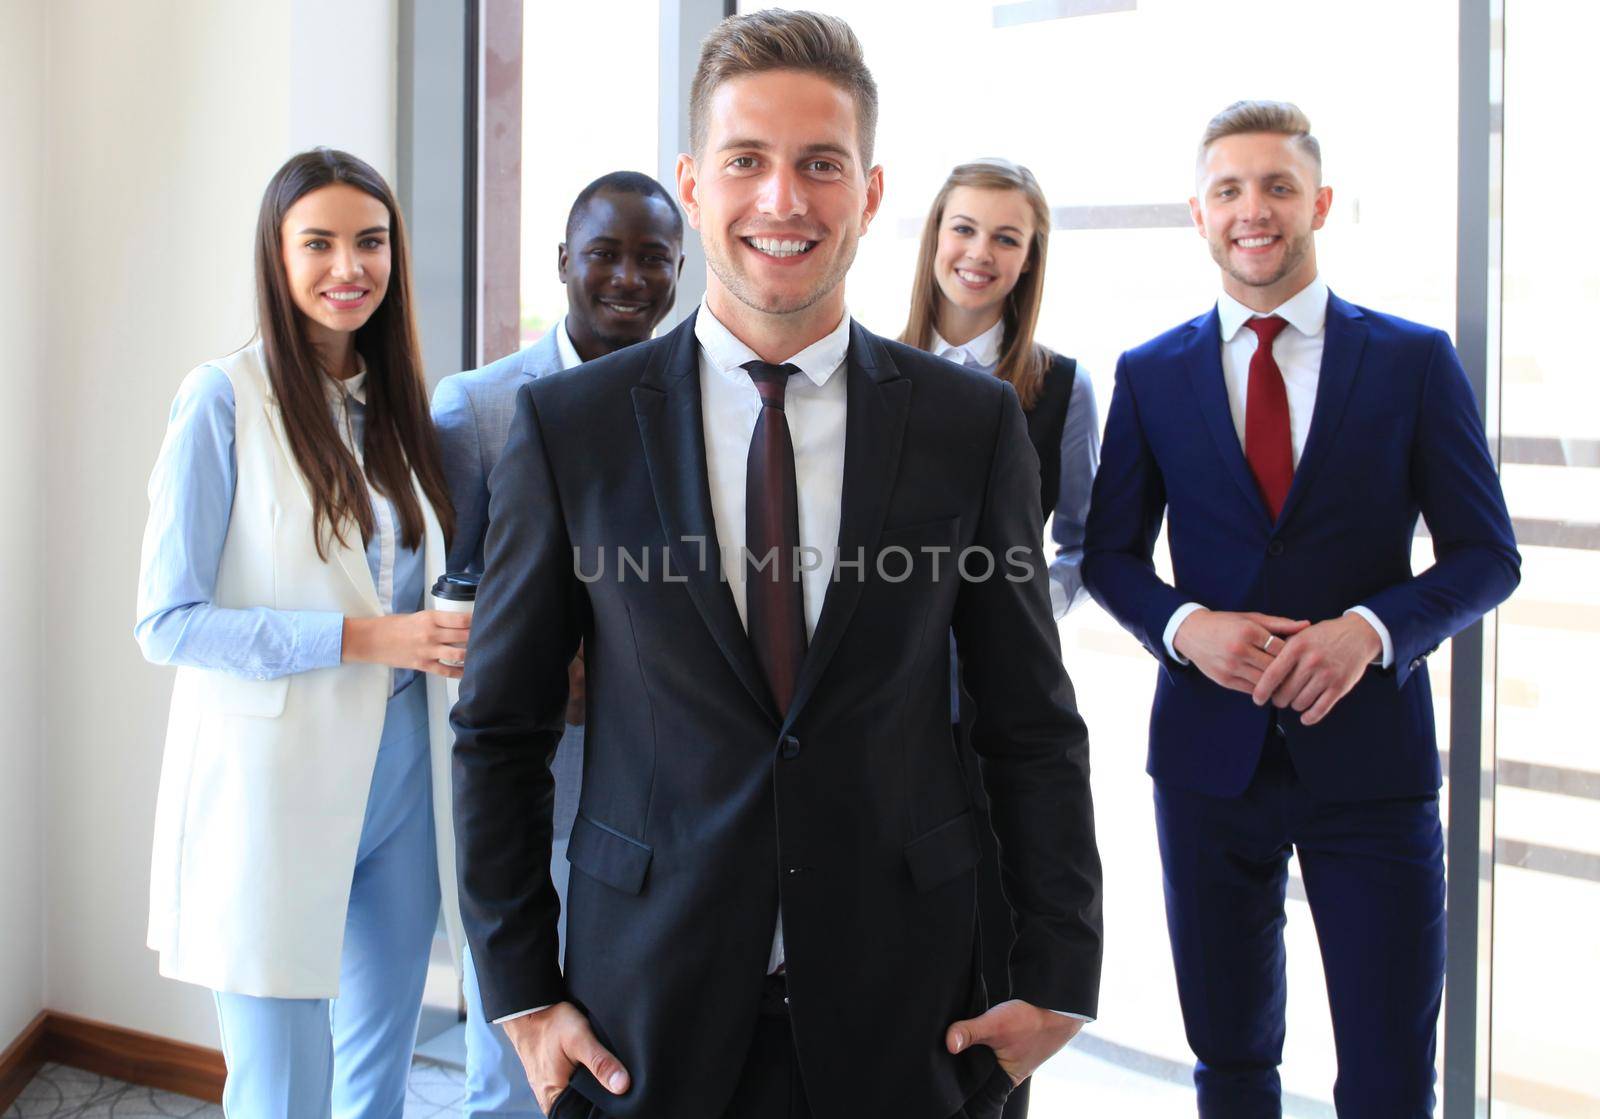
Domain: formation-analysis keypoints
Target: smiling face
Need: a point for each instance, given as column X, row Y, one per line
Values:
column 336, row 259
column 620, row 264
column 1259, row 204
column 781, row 199
column 984, row 238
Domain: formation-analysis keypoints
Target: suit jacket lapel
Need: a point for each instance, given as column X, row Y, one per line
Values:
column 1344, row 337
column 1203, row 358
column 544, row 356
column 666, row 403
column 878, row 401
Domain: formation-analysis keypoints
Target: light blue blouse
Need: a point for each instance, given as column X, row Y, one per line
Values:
column 191, row 501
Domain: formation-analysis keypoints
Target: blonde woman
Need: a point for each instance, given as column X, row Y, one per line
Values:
column 975, row 301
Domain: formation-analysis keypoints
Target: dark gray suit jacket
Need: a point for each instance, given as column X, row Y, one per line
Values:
column 705, row 811
column 473, row 413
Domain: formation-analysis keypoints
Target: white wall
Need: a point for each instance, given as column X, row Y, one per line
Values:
column 164, row 122
column 342, row 90
column 22, row 964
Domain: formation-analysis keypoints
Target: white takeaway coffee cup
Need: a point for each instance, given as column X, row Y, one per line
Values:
column 455, row 593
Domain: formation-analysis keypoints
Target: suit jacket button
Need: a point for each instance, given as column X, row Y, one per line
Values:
column 1275, row 548
column 791, row 746
column 1277, row 729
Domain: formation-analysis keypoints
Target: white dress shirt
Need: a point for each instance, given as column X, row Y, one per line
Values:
column 814, row 405
column 1298, row 352
column 564, row 346
column 982, row 352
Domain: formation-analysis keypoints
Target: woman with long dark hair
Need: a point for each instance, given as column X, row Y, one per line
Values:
column 297, row 512
column 975, row 300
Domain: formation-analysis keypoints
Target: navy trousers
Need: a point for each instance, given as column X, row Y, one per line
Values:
column 1374, row 879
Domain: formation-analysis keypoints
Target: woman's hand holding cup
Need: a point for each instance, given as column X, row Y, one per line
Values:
column 427, row 641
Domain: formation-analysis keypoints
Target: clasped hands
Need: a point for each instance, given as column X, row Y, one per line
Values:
column 553, row 1042
column 1291, row 664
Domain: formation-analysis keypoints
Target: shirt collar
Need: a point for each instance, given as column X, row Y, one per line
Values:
column 353, row 387
column 984, row 349
column 564, row 346
column 1306, row 311
column 727, row 354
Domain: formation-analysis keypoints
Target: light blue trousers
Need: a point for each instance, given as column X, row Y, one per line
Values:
column 350, row 1057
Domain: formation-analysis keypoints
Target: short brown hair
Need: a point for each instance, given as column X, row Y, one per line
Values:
column 1283, row 118
column 775, row 39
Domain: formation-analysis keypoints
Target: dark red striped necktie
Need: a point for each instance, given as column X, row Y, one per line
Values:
column 1267, row 443
column 774, row 604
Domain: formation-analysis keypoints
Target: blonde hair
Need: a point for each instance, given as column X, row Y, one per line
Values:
column 775, row 39
column 1022, row 361
column 1282, row 118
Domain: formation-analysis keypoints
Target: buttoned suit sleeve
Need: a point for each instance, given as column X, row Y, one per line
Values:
column 1125, row 514
column 525, row 631
column 1032, row 744
column 1476, row 563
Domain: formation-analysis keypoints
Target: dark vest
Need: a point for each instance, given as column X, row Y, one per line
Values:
column 1046, row 422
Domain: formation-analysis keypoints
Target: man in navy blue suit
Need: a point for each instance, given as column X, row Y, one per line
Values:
column 1292, row 439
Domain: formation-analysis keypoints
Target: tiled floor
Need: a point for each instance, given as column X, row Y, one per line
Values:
column 59, row 1092
column 1077, row 1082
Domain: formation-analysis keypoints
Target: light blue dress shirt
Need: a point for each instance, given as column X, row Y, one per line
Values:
column 191, row 501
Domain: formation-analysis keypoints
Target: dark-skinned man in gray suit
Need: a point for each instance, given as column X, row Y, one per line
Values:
column 620, row 262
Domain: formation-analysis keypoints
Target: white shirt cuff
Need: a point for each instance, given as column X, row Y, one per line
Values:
column 1171, row 631
column 522, row 1013
column 1059, row 604
column 1073, row 1014
column 1383, row 633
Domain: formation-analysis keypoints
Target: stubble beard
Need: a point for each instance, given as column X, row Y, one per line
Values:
column 1294, row 254
column 746, row 291
column 614, row 341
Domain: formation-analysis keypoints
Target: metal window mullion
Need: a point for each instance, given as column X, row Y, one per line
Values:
column 433, row 178
column 684, row 23
column 1470, row 919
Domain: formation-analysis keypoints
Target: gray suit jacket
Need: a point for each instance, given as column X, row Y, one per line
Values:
column 473, row 413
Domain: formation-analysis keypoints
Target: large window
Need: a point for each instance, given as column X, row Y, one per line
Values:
column 1106, row 110
column 1104, row 101
column 589, row 106
column 1546, row 1047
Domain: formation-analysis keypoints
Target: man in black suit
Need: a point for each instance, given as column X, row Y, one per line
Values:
column 763, row 526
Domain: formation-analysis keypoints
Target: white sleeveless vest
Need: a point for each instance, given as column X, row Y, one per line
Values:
column 264, row 783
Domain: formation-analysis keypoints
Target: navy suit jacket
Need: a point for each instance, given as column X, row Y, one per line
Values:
column 1395, row 433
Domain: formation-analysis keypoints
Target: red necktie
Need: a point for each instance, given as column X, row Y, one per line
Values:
column 1267, row 444
column 774, row 605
